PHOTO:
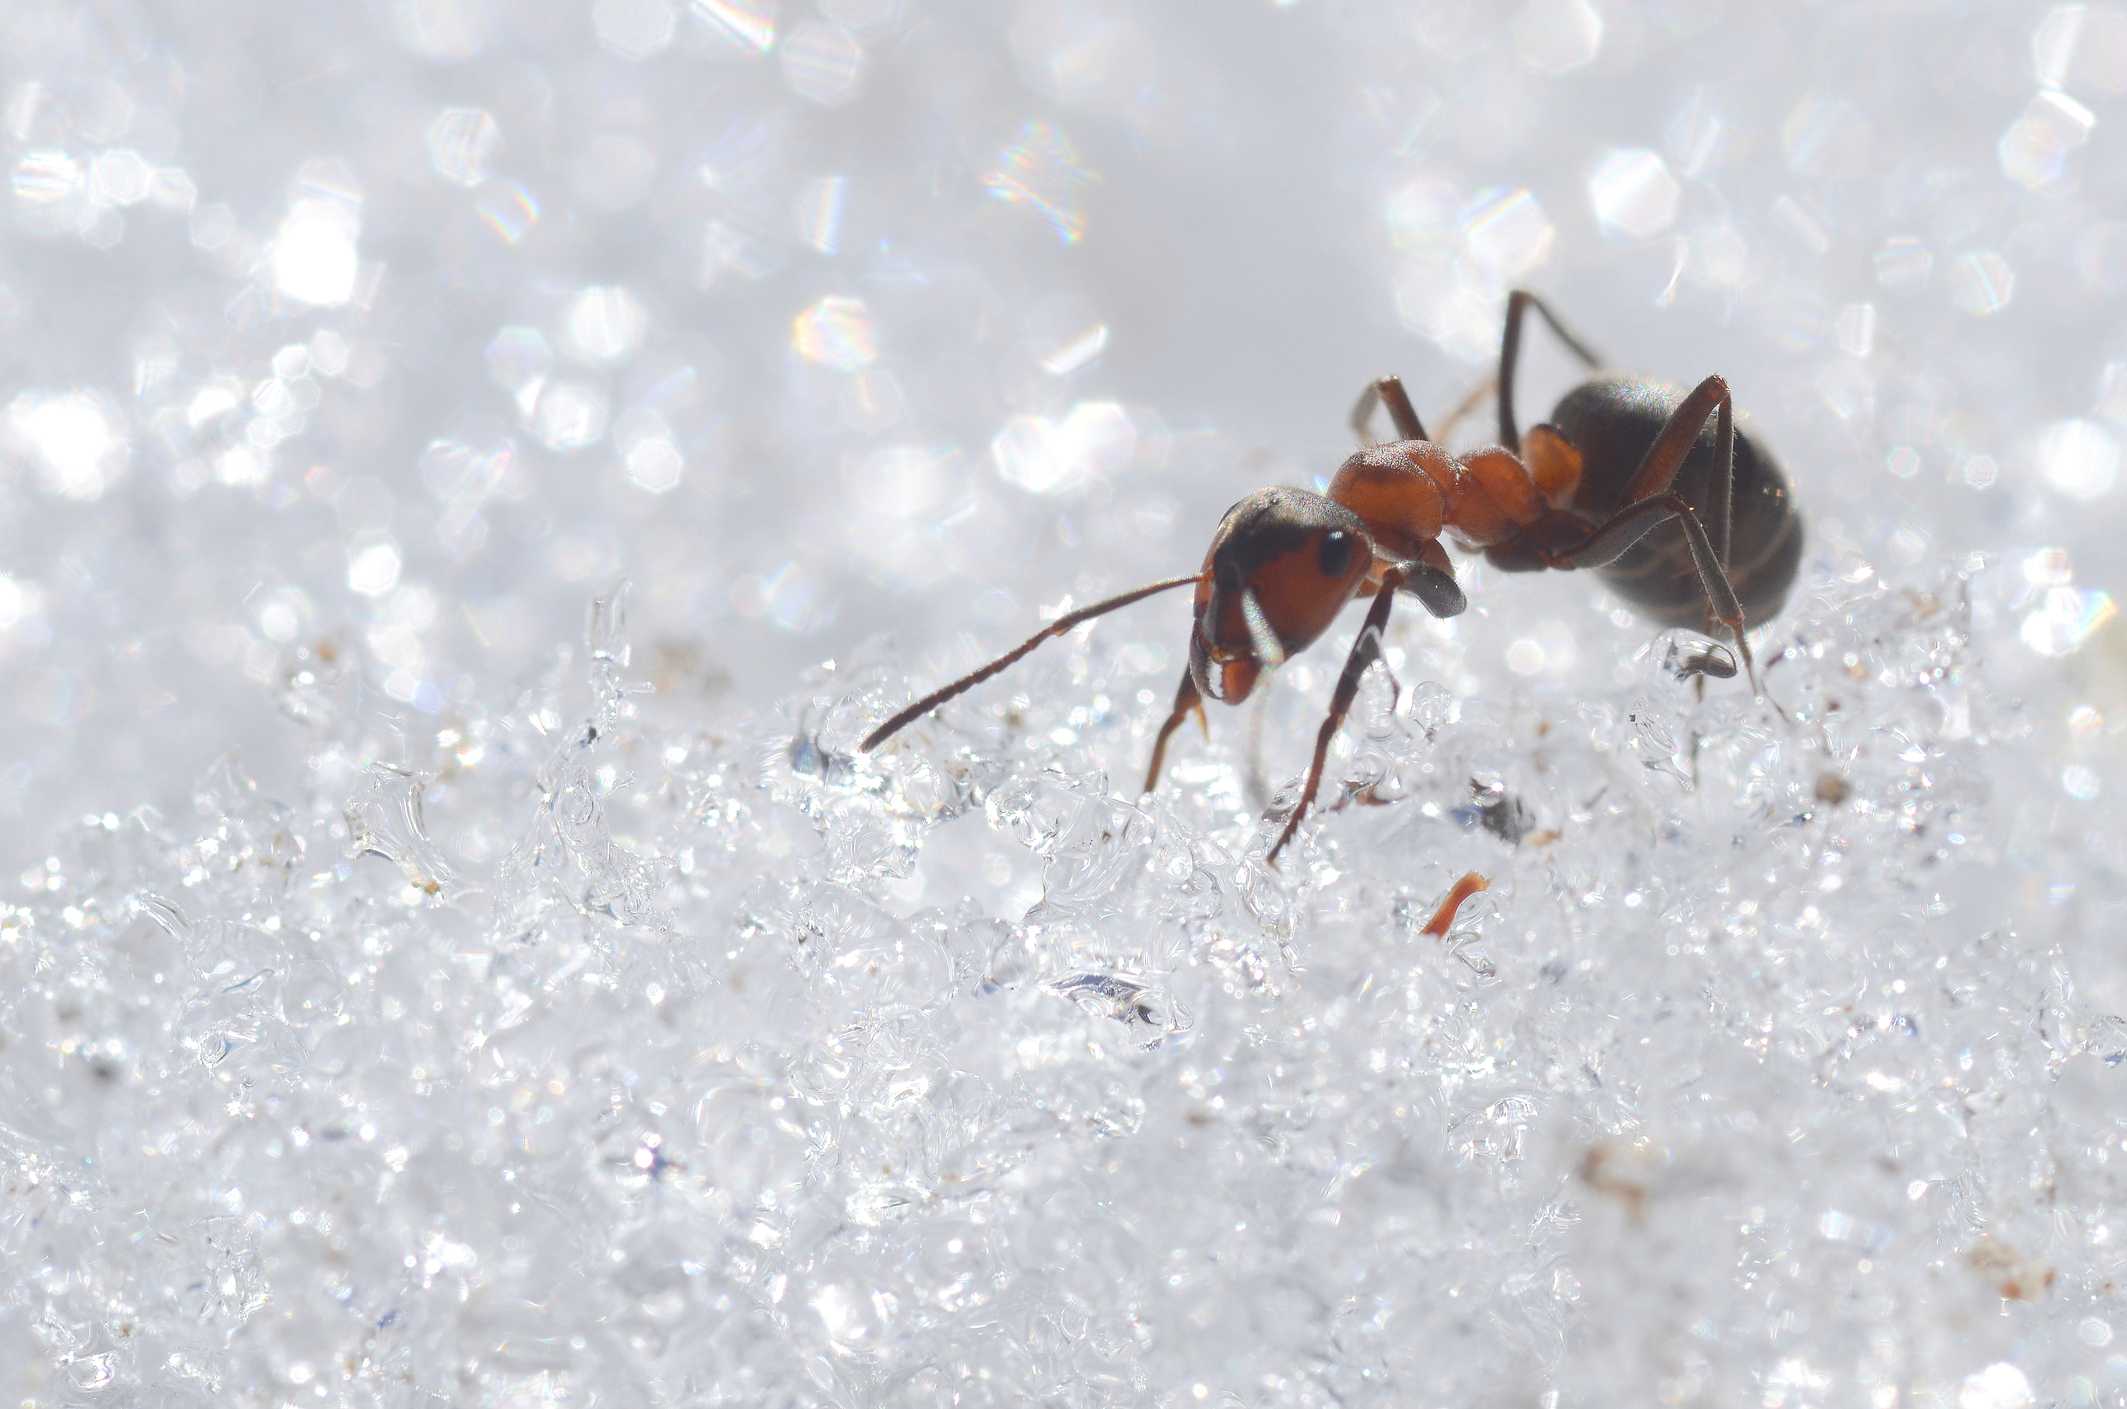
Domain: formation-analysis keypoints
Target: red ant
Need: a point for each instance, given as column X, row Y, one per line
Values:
column 1618, row 459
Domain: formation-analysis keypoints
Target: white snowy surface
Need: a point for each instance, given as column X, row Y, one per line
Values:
column 433, row 973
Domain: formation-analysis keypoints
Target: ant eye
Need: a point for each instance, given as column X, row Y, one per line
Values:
column 1335, row 554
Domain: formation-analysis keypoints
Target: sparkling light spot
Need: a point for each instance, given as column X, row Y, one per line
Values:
column 1095, row 439
column 519, row 361
column 571, row 416
column 19, row 601
column 119, row 176
column 823, row 63
column 1981, row 283
column 1824, row 135
column 444, row 31
column 74, row 438
column 2035, row 149
column 655, row 465
column 648, row 450
column 1999, row 1386
column 47, row 178
column 1855, row 327
column 509, row 210
column 819, row 212
column 1080, row 351
column 606, row 323
column 2080, row 458
column 750, row 22
column 372, row 566
column 1042, row 170
column 314, row 256
column 2065, row 620
column 1633, row 193
column 635, row 29
column 835, row 332
column 1557, row 36
column 461, row 144
column 1507, row 231
column 1903, row 262
column 2082, row 48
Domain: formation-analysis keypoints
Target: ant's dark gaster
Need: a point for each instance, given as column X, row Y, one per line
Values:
column 1618, row 459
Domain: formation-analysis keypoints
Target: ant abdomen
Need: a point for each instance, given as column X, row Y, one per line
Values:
column 1613, row 422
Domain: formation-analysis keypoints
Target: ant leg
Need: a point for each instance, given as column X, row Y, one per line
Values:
column 1519, row 302
column 1658, row 467
column 975, row 677
column 1365, row 651
column 1389, row 392
column 1464, row 407
column 1611, row 540
column 1186, row 702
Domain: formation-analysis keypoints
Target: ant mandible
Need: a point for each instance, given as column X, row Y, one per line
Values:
column 1619, row 458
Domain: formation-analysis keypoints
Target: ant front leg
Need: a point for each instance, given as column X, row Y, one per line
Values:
column 1365, row 651
column 1518, row 303
column 1187, row 701
column 1389, row 392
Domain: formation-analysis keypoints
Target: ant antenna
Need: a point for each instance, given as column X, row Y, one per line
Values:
column 975, row 677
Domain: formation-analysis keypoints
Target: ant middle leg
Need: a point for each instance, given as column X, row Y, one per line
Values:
column 1365, row 651
column 1389, row 392
column 1518, row 303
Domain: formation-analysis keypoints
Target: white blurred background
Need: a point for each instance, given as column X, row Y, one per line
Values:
column 406, row 325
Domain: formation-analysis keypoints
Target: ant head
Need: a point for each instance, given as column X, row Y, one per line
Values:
column 1281, row 567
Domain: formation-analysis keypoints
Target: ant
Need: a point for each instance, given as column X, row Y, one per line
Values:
column 1619, row 458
